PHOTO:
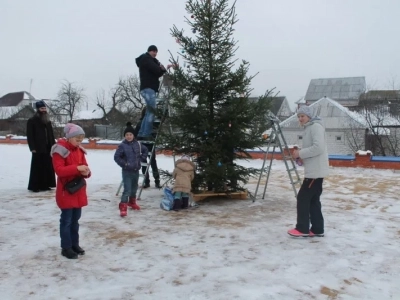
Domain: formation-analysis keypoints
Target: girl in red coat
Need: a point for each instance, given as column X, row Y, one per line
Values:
column 69, row 163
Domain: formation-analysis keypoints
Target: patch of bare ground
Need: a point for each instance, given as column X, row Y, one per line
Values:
column 225, row 220
column 41, row 196
column 306, row 294
column 177, row 282
column 331, row 293
column 361, row 185
column 59, row 276
column 117, row 270
column 118, row 236
column 346, row 204
column 352, row 281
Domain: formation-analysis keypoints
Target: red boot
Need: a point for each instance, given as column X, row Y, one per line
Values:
column 133, row 204
column 123, row 209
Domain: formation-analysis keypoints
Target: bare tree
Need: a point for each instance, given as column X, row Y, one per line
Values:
column 130, row 92
column 70, row 99
column 393, row 83
column 113, row 100
column 115, row 107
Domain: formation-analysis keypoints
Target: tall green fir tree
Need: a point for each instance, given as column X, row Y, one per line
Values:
column 213, row 118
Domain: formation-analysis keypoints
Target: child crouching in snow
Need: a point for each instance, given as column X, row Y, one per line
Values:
column 128, row 156
column 183, row 175
column 69, row 163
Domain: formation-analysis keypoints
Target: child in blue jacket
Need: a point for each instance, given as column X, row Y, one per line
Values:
column 128, row 156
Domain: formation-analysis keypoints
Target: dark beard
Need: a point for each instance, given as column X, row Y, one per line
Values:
column 43, row 116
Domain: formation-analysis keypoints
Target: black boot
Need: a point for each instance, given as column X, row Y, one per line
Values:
column 69, row 253
column 157, row 183
column 185, row 202
column 78, row 250
column 146, row 184
column 177, row 204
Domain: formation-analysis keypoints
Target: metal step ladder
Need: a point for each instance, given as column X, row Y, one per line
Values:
column 276, row 140
column 162, row 108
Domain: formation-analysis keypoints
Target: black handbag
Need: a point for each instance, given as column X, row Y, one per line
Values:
column 75, row 185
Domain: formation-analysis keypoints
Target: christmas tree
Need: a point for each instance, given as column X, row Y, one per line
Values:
column 214, row 119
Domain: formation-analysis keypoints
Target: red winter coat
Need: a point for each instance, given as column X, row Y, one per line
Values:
column 66, row 159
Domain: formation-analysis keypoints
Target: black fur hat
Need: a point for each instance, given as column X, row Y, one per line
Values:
column 129, row 128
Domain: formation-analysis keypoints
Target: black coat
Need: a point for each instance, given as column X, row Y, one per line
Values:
column 149, row 72
column 40, row 136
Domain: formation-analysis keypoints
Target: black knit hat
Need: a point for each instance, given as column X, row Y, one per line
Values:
column 129, row 128
column 40, row 104
column 152, row 48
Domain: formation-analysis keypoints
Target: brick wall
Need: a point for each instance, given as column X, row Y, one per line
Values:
column 359, row 160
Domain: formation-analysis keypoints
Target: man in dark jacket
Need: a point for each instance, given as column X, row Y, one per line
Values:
column 40, row 140
column 153, row 161
column 150, row 70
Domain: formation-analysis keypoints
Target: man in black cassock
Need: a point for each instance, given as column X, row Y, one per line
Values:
column 40, row 140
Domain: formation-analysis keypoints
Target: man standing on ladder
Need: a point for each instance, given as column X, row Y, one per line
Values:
column 153, row 161
column 150, row 70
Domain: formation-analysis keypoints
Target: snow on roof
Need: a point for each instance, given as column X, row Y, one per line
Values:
column 28, row 96
column 7, row 112
column 332, row 116
column 336, row 88
column 340, row 118
column 89, row 114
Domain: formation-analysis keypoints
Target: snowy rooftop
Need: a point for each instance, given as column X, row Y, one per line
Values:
column 335, row 88
column 7, row 112
column 335, row 115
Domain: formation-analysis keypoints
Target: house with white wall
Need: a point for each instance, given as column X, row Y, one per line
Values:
column 343, row 127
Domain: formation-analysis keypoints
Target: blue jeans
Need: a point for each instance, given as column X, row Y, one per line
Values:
column 131, row 180
column 179, row 195
column 69, row 227
column 146, row 128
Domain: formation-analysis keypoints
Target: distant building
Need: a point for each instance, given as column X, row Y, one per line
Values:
column 19, row 99
column 280, row 107
column 338, row 121
column 380, row 99
column 348, row 131
column 98, row 123
column 346, row 91
column 15, row 110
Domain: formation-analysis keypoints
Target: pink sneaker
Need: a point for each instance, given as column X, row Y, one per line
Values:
column 312, row 234
column 294, row 232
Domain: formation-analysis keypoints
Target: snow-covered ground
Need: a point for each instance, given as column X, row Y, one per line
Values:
column 225, row 249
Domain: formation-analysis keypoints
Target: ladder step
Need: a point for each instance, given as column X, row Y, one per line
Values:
column 146, row 142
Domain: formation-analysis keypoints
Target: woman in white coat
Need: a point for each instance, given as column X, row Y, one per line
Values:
column 314, row 155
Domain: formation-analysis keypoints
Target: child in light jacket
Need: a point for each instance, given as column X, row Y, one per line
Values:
column 128, row 156
column 314, row 156
column 183, row 175
column 69, row 163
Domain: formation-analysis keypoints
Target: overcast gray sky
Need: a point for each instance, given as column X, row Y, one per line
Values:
column 289, row 42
